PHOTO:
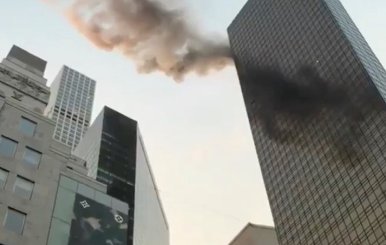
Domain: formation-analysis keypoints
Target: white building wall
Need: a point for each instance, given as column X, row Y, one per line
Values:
column 150, row 225
column 70, row 105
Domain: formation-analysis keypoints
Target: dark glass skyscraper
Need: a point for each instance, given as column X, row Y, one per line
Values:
column 115, row 156
column 315, row 96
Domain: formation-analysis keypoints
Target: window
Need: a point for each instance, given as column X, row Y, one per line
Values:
column 23, row 187
column 3, row 177
column 27, row 127
column 14, row 221
column 65, row 200
column 7, row 146
column 31, row 157
column 60, row 232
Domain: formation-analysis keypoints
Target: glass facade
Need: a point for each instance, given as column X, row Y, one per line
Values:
column 83, row 215
column 314, row 95
column 116, row 157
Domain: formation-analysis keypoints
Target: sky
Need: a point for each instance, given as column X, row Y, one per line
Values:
column 196, row 132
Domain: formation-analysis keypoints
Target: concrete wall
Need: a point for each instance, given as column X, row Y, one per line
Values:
column 38, row 208
column 24, row 69
column 31, row 94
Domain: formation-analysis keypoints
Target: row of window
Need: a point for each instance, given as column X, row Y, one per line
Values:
column 65, row 98
column 8, row 148
column 14, row 219
column 22, row 186
column 64, row 130
column 77, row 85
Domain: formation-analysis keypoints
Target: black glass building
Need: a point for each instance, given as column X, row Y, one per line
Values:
column 115, row 156
column 315, row 97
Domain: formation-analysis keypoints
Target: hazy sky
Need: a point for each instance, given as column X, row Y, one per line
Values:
column 196, row 133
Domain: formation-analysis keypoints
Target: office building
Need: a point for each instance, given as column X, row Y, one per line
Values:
column 315, row 97
column 253, row 234
column 22, row 78
column 70, row 105
column 116, row 156
column 45, row 194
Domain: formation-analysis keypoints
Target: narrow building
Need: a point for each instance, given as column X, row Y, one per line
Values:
column 70, row 105
column 116, row 156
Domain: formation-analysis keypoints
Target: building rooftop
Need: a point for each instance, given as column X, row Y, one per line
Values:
column 27, row 58
column 253, row 234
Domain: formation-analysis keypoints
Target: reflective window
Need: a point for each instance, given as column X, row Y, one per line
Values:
column 31, row 157
column 3, row 177
column 14, row 221
column 7, row 146
column 23, row 187
column 27, row 127
column 60, row 232
column 64, row 202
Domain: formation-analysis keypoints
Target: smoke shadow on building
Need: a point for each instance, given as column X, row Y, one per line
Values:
column 305, row 100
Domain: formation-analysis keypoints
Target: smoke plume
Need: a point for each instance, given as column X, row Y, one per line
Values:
column 155, row 37
column 301, row 98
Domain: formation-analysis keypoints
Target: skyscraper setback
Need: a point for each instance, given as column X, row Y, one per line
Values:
column 25, row 80
column 70, row 105
column 315, row 96
column 116, row 157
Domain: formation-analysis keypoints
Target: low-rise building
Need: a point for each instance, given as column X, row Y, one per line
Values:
column 253, row 234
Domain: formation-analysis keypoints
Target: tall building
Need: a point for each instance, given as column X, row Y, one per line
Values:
column 253, row 234
column 22, row 78
column 70, row 105
column 115, row 156
column 45, row 195
column 315, row 97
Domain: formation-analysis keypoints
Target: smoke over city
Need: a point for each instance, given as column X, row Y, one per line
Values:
column 155, row 37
